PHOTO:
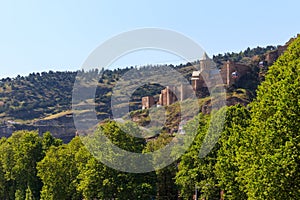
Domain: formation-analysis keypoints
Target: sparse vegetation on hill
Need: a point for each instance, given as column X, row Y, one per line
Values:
column 41, row 100
column 39, row 95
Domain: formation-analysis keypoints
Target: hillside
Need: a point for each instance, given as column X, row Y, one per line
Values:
column 43, row 100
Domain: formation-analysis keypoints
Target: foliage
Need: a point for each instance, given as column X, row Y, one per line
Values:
column 165, row 178
column 58, row 171
column 103, row 182
column 269, row 161
column 19, row 156
column 257, row 155
column 195, row 172
column 239, row 57
column 231, row 140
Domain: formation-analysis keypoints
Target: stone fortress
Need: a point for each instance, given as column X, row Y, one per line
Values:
column 201, row 80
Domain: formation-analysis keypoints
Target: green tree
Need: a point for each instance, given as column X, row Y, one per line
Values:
column 231, row 140
column 270, row 158
column 195, row 172
column 19, row 156
column 29, row 195
column 58, row 171
column 165, row 178
column 48, row 140
column 4, row 185
column 102, row 182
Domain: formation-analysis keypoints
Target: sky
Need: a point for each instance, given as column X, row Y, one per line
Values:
column 39, row 35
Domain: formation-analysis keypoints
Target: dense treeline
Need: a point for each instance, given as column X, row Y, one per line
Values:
column 34, row 167
column 18, row 170
column 243, row 56
column 258, row 153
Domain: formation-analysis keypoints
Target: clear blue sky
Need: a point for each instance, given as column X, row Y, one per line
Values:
column 38, row 35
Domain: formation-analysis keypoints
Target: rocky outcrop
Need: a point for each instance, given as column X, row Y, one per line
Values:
column 206, row 108
column 62, row 127
column 6, row 130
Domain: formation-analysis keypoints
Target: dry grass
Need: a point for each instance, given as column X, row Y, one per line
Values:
column 58, row 115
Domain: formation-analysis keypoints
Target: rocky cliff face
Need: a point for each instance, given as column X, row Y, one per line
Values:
column 62, row 127
column 6, row 130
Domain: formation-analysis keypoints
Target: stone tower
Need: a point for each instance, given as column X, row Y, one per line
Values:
column 205, row 63
column 202, row 75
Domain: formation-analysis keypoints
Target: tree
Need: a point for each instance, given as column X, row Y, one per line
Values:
column 197, row 173
column 269, row 161
column 231, row 140
column 19, row 156
column 165, row 178
column 58, row 171
column 48, row 140
column 98, row 181
column 3, row 181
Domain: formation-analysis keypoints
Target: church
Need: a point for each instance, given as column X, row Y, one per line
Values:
column 206, row 76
